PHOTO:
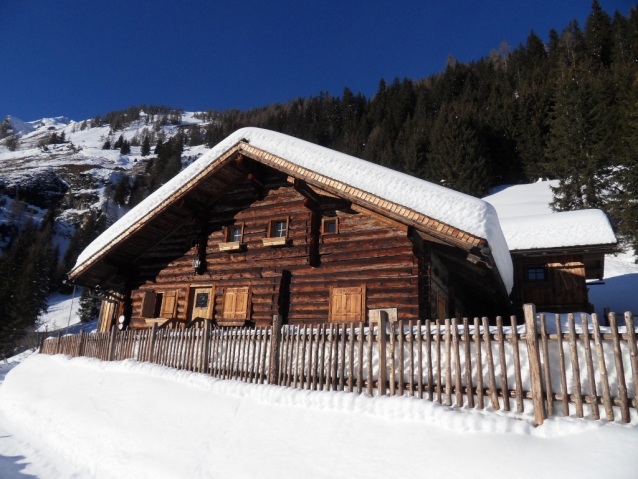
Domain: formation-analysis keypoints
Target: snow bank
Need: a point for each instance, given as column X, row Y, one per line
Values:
column 84, row 418
column 522, row 200
column 569, row 228
column 464, row 212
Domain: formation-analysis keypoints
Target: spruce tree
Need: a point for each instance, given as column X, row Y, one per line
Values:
column 578, row 150
column 457, row 159
column 146, row 146
column 121, row 191
column 89, row 306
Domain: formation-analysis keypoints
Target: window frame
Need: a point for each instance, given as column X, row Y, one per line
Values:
column 271, row 227
column 227, row 235
column 542, row 267
column 325, row 221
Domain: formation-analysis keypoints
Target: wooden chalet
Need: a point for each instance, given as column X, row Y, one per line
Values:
column 555, row 254
column 266, row 224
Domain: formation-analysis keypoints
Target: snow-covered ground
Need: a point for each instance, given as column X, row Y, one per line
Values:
column 82, row 418
column 59, row 314
column 621, row 272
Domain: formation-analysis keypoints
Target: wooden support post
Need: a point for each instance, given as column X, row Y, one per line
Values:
column 112, row 343
column 150, row 355
column 382, row 325
column 273, row 371
column 80, row 344
column 633, row 352
column 533, row 355
column 206, row 348
column 620, row 369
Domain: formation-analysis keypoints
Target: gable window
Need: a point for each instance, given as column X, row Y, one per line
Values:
column 348, row 304
column 280, row 229
column 330, row 226
column 234, row 237
column 536, row 273
column 235, row 234
column 277, row 232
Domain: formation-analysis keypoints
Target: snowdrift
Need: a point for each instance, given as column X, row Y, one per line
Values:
column 86, row 418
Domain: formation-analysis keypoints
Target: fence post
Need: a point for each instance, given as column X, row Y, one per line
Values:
column 382, row 323
column 151, row 344
column 57, row 347
column 112, row 343
column 206, row 352
column 80, row 344
column 273, row 370
column 534, row 363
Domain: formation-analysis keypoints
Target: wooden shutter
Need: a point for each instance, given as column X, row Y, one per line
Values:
column 236, row 304
column 169, row 304
column 347, row 304
column 148, row 304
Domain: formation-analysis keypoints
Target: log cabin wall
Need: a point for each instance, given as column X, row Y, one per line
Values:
column 294, row 280
column 553, row 283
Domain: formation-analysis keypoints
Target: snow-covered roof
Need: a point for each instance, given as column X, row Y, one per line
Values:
column 467, row 213
column 558, row 230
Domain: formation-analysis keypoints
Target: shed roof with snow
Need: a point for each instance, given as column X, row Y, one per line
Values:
column 558, row 230
column 449, row 216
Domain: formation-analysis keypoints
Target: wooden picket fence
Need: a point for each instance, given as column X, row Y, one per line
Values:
column 457, row 363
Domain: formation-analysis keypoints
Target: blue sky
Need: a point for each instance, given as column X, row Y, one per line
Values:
column 82, row 58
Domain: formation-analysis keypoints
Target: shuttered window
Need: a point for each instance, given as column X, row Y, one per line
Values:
column 236, row 303
column 148, row 304
column 169, row 304
column 348, row 304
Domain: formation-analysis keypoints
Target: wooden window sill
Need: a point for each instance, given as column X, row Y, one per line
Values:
column 281, row 241
column 230, row 246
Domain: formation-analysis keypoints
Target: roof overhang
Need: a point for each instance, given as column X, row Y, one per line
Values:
column 586, row 249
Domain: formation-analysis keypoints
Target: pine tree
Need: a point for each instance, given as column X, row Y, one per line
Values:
column 598, row 36
column 89, row 306
column 624, row 206
column 125, row 148
column 578, row 150
column 106, row 145
column 121, row 191
column 146, row 146
column 457, row 159
column 118, row 144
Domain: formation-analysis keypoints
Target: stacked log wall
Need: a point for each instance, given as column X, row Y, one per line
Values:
column 365, row 251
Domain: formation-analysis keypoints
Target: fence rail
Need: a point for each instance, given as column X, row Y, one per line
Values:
column 464, row 363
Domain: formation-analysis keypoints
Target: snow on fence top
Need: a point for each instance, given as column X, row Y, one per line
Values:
column 469, row 214
column 557, row 230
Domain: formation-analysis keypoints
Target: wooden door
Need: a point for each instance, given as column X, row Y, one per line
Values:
column 202, row 301
column 347, row 304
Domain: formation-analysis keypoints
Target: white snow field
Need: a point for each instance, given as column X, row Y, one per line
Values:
column 82, row 418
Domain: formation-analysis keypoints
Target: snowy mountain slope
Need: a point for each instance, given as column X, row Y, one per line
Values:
column 74, row 174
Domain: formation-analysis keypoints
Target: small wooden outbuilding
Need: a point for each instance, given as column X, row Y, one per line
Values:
column 555, row 254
